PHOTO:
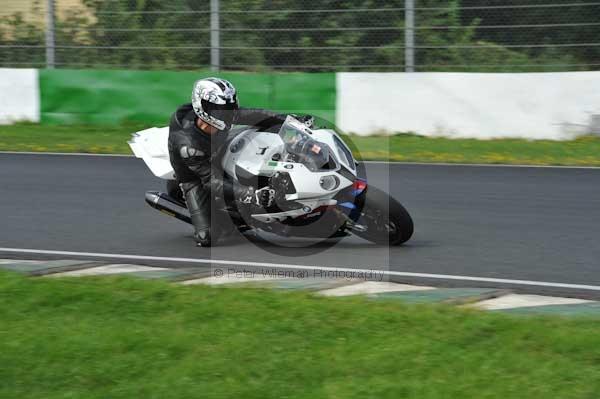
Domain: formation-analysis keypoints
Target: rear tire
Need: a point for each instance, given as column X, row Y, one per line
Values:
column 383, row 220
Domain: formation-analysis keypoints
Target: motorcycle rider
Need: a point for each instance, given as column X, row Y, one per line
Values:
column 197, row 132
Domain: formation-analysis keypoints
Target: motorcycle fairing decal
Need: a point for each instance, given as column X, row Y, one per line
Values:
column 262, row 150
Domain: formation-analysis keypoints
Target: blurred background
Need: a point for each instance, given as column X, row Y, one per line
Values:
column 499, row 70
column 302, row 35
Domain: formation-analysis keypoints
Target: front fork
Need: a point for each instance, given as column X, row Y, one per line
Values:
column 351, row 203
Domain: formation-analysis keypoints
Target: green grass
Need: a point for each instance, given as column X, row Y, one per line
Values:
column 126, row 338
column 584, row 151
column 95, row 139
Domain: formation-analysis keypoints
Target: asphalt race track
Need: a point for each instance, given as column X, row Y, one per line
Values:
column 515, row 223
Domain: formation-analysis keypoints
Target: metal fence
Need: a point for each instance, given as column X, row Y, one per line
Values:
column 302, row 35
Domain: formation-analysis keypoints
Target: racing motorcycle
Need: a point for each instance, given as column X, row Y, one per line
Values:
column 312, row 172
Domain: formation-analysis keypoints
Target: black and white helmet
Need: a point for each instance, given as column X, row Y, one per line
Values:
column 215, row 101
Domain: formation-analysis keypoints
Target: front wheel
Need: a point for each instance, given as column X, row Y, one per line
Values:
column 383, row 220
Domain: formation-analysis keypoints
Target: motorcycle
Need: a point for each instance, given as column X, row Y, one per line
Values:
column 315, row 178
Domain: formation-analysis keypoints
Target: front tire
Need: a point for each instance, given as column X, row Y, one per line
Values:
column 383, row 220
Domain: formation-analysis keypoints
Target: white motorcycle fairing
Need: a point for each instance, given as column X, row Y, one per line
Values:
column 256, row 153
column 314, row 176
column 151, row 145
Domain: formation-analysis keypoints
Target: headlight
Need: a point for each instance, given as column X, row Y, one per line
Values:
column 329, row 183
column 237, row 146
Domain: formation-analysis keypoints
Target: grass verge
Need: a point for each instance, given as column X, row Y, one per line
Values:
column 117, row 337
column 584, row 151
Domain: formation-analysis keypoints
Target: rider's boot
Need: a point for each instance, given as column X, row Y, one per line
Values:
column 198, row 202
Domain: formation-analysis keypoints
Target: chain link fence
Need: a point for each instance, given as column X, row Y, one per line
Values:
column 302, row 35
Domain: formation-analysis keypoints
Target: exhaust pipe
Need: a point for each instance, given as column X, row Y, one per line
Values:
column 167, row 205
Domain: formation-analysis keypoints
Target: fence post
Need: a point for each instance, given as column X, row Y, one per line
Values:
column 50, row 34
column 409, row 36
column 215, row 56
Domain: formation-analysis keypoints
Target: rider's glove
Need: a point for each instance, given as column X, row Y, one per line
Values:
column 263, row 197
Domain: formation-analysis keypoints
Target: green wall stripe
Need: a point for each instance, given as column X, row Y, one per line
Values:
column 109, row 96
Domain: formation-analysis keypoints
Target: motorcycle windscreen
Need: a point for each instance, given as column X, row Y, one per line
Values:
column 303, row 148
column 315, row 156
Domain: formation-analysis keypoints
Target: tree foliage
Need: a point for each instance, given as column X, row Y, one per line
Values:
column 272, row 34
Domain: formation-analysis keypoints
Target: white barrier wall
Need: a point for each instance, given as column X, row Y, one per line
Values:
column 478, row 105
column 19, row 95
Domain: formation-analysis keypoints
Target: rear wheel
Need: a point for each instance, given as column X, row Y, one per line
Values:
column 383, row 220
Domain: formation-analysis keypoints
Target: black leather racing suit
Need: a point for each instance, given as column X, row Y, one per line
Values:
column 195, row 157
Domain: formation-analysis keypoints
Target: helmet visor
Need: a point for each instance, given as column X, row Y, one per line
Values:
column 222, row 114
